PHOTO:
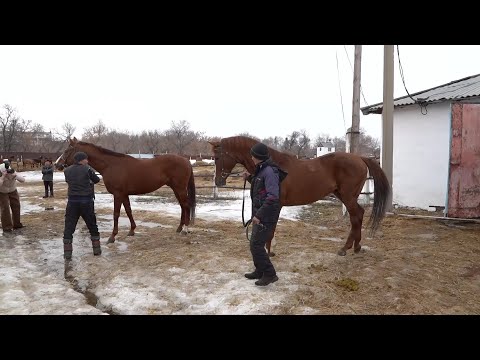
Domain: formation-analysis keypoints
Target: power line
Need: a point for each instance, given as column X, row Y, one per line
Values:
column 340, row 88
column 352, row 71
column 405, row 86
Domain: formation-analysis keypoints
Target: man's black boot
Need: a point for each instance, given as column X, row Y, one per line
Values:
column 67, row 249
column 265, row 280
column 253, row 275
column 97, row 250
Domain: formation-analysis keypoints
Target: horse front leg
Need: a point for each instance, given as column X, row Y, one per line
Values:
column 117, row 203
column 128, row 210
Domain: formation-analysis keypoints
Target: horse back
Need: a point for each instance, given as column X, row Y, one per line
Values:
column 310, row 180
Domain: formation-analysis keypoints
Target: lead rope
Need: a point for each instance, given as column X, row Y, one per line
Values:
column 245, row 224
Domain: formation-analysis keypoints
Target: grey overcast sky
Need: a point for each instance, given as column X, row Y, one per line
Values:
column 221, row 90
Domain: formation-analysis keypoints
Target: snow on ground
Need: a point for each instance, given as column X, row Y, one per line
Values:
column 34, row 278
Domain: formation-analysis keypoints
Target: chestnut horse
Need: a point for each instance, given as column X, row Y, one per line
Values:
column 338, row 173
column 123, row 175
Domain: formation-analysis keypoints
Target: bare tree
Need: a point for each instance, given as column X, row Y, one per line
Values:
column 112, row 140
column 152, row 140
column 9, row 121
column 96, row 133
column 303, row 143
column 274, row 142
column 180, row 136
column 132, row 145
column 340, row 144
column 65, row 132
column 368, row 146
column 320, row 139
column 290, row 143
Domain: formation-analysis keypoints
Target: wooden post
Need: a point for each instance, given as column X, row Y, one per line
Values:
column 387, row 117
column 355, row 129
column 353, row 133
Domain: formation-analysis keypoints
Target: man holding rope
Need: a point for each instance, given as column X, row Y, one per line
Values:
column 265, row 195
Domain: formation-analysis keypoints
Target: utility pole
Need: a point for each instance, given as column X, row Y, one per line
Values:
column 354, row 131
column 387, row 117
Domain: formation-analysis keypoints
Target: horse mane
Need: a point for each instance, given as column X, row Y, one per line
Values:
column 102, row 150
column 245, row 142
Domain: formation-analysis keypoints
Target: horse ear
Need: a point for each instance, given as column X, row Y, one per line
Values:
column 70, row 141
column 214, row 143
column 75, row 139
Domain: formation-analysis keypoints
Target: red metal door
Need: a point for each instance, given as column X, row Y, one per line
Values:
column 464, row 181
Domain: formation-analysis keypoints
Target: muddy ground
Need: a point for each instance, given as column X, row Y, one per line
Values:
column 410, row 266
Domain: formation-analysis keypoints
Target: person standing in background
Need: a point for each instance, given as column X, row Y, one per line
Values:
column 47, row 177
column 9, row 198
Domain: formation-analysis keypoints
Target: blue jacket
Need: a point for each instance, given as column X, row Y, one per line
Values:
column 265, row 191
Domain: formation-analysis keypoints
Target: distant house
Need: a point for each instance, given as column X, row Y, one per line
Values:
column 325, row 148
column 436, row 148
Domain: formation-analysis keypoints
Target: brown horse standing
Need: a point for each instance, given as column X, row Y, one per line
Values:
column 341, row 174
column 123, row 175
column 29, row 162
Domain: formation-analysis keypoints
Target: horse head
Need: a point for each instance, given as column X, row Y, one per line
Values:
column 224, row 163
column 66, row 158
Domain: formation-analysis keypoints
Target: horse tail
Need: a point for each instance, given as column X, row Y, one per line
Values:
column 192, row 200
column 381, row 193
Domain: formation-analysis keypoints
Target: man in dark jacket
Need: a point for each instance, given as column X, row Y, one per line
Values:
column 265, row 194
column 47, row 177
column 80, row 203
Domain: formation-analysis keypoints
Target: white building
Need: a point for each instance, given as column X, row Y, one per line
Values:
column 436, row 148
column 325, row 148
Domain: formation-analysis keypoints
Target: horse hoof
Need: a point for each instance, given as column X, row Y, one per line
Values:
column 357, row 250
column 183, row 232
column 131, row 233
column 342, row 252
column 271, row 254
column 110, row 240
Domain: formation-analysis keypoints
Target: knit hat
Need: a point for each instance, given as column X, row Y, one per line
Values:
column 79, row 156
column 260, row 151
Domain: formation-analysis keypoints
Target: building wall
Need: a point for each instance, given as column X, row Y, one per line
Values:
column 421, row 151
column 324, row 150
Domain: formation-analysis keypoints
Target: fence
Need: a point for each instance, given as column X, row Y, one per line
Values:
column 215, row 189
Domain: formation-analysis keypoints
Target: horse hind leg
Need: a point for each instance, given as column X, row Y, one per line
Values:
column 271, row 243
column 355, row 212
column 128, row 210
column 184, row 216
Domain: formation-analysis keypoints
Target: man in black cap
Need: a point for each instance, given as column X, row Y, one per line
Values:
column 265, row 194
column 80, row 203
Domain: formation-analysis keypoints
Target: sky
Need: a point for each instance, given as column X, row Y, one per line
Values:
column 220, row 90
column 34, row 278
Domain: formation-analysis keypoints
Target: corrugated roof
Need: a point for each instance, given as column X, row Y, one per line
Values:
column 455, row 90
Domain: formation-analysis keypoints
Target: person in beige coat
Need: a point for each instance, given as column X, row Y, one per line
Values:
column 9, row 198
